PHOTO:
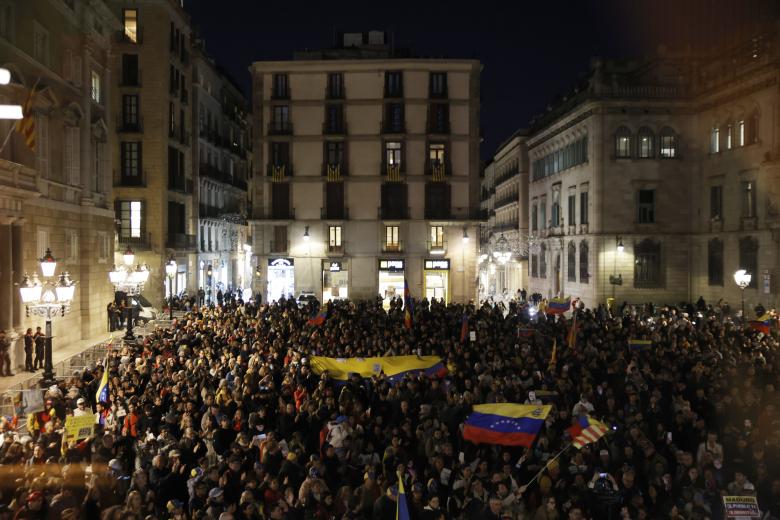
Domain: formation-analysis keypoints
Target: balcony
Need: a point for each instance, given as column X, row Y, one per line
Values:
column 275, row 214
column 280, row 92
column 334, row 249
column 143, row 242
column 208, row 211
column 506, row 201
column 438, row 169
column 179, row 134
column 279, row 171
column 389, row 127
column 180, row 184
column 393, row 247
column 185, row 96
column 129, row 127
column 124, row 180
column 437, row 248
column 334, row 213
column 506, row 226
column 281, row 246
column 393, row 172
column 180, row 241
column 510, row 174
column 131, row 80
column 393, row 213
column 280, row 128
column 334, row 172
column 123, row 37
column 334, row 127
column 438, row 127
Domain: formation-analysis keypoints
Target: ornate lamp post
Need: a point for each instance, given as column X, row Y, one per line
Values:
column 742, row 279
column 131, row 282
column 47, row 300
column 170, row 272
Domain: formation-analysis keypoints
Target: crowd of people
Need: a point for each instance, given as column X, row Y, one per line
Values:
column 221, row 416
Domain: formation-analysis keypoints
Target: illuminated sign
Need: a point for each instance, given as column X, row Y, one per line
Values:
column 333, row 267
column 280, row 262
column 391, row 265
column 441, row 265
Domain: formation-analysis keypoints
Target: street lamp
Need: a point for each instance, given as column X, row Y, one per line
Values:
column 47, row 300
column 465, row 236
column 306, row 234
column 130, row 282
column 170, row 271
column 742, row 279
column 619, row 241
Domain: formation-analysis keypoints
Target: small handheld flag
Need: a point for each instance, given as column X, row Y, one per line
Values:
column 507, row 424
column 408, row 310
column 101, row 396
column 320, row 318
column 464, row 327
column 639, row 344
column 402, row 508
column 586, row 430
column 558, row 305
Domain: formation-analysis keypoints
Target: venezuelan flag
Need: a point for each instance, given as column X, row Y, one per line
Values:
column 464, row 327
column 408, row 309
column 320, row 318
column 525, row 332
column 558, row 305
column 505, row 423
column 101, row 396
column 639, row 344
column 762, row 324
column 394, row 367
column 402, row 508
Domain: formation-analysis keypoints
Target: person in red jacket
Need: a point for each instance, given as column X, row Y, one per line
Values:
column 130, row 425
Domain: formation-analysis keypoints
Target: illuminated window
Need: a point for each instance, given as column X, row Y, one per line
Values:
column 436, row 153
column 728, row 136
column 391, row 236
column 393, row 153
column 623, row 143
column 131, row 24
column 334, row 233
column 715, row 140
column 668, row 143
column 748, row 199
column 437, row 236
column 741, row 133
column 130, row 218
column 96, row 90
column 646, row 150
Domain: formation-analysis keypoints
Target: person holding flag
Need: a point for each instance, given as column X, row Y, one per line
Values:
column 464, row 327
column 408, row 308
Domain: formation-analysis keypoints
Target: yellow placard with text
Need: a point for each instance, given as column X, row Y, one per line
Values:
column 81, row 427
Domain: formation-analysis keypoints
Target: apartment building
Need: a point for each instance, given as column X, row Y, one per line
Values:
column 370, row 173
column 55, row 188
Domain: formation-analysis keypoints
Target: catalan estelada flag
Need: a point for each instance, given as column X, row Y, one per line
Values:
column 639, row 344
column 464, row 327
column 507, row 424
column 101, row 396
column 402, row 508
column 586, row 430
column 558, row 305
column 320, row 318
column 26, row 125
column 571, row 339
column 408, row 310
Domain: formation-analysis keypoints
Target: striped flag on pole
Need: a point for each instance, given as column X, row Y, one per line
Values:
column 26, row 125
column 586, row 430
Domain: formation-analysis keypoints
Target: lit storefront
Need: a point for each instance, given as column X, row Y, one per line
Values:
column 391, row 279
column 281, row 278
column 436, row 279
column 335, row 280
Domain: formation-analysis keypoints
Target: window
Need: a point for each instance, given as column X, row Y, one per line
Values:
column 439, row 118
column 668, row 143
column 280, row 88
column 334, row 118
column 130, row 22
column 752, row 128
column 572, row 209
column 336, row 85
column 72, row 159
column 741, row 133
column 556, row 206
column 394, row 86
column 584, row 207
column 99, row 166
column 623, row 143
column 748, row 199
column 334, row 152
column 280, row 153
column 131, row 215
column 543, row 261
column 171, row 119
column 534, row 218
column 728, row 136
column 584, row 262
column 71, row 246
column 543, row 212
column 95, row 91
column 130, row 69
column 716, row 202
column 391, row 236
column 42, row 241
column 646, row 150
column 748, row 259
column 7, row 21
column 646, row 200
column 438, row 84
column 131, row 159
column 715, row 262
column 437, row 236
column 715, row 140
column 571, row 262
column 130, row 111
column 394, row 117
column 41, row 44
column 334, row 234
column 534, row 266
column 393, row 154
column 281, row 119
column 647, row 264
column 103, row 247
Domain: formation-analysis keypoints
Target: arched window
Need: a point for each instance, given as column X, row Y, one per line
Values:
column 571, row 262
column 623, row 143
column 752, row 128
column 647, row 264
column 668, row 143
column 715, row 140
column 646, row 143
column 729, row 135
column 715, row 262
column 748, row 258
column 584, row 267
column 543, row 261
column 534, row 265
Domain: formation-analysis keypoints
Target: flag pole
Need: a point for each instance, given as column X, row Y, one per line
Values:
column 13, row 124
column 547, row 465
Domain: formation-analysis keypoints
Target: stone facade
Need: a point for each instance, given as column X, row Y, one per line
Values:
column 153, row 155
column 633, row 151
column 58, row 194
column 401, row 137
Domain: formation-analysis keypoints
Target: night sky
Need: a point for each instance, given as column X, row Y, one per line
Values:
column 531, row 51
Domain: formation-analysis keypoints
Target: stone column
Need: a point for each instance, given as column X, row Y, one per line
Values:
column 6, row 274
column 17, row 251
